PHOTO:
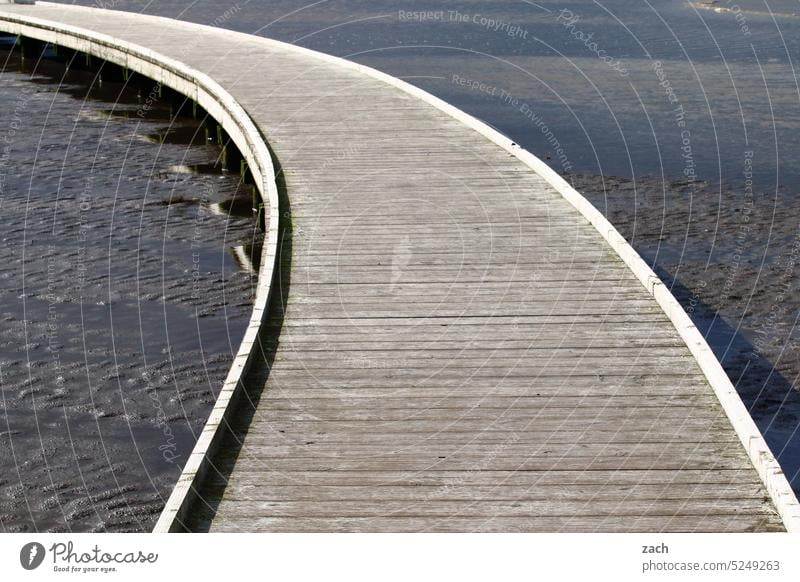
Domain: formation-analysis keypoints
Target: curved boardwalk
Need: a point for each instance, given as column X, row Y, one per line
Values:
column 453, row 346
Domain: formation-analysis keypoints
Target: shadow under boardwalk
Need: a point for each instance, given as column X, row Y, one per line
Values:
column 213, row 488
column 769, row 396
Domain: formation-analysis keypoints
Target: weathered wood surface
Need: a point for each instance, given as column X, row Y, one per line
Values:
column 457, row 348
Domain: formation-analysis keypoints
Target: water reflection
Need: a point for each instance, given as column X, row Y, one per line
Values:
column 248, row 256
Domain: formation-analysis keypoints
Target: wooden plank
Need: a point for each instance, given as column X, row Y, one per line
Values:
column 460, row 350
column 453, row 439
column 250, row 459
column 487, row 509
column 701, row 523
column 720, row 479
column 279, row 401
column 578, row 495
column 592, row 429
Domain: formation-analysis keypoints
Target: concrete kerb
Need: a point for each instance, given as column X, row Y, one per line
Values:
column 237, row 124
column 759, row 453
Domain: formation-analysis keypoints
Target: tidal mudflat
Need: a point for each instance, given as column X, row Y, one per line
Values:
column 122, row 300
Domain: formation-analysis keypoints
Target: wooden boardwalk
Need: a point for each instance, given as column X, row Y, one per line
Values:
column 453, row 346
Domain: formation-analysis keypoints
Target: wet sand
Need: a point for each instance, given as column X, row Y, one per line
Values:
column 122, row 303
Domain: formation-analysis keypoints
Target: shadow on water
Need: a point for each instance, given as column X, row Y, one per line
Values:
column 768, row 395
column 198, row 169
column 180, row 135
column 239, row 206
column 245, row 407
column 82, row 78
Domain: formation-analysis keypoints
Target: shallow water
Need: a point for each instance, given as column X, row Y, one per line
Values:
column 678, row 121
column 520, row 64
column 122, row 303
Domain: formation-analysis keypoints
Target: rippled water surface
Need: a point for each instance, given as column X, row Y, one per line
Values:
column 678, row 119
column 121, row 299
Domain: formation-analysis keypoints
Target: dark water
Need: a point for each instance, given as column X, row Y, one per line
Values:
column 520, row 64
column 678, row 120
column 121, row 301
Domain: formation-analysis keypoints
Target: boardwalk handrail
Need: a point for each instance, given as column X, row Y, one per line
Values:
column 759, row 453
column 220, row 105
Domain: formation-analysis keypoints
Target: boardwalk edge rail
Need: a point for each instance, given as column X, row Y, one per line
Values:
column 246, row 136
column 237, row 124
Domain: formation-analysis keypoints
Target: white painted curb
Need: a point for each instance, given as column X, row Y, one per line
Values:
column 238, row 125
column 762, row 458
